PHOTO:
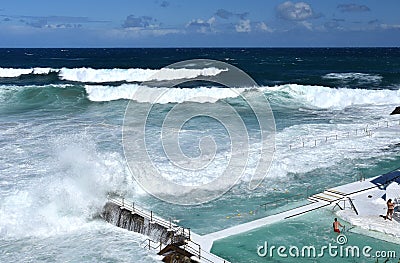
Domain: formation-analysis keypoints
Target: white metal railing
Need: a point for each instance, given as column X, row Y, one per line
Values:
column 188, row 245
column 367, row 131
column 135, row 209
column 149, row 242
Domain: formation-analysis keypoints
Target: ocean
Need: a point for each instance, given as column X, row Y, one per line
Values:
column 62, row 113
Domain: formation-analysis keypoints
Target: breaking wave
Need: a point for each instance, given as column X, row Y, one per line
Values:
column 170, row 95
column 90, row 75
column 291, row 95
column 17, row 72
column 332, row 98
column 310, row 96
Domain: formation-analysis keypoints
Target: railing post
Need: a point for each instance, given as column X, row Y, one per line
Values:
column 133, row 207
column 151, row 216
column 199, row 252
column 189, row 233
column 149, row 243
column 122, row 201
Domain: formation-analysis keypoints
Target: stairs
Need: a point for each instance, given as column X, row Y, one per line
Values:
column 328, row 195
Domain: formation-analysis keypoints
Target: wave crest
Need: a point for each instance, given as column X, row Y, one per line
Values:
column 16, row 72
column 170, row 95
column 333, row 98
column 134, row 74
column 289, row 94
column 90, row 75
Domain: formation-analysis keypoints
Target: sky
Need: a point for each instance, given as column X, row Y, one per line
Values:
column 206, row 23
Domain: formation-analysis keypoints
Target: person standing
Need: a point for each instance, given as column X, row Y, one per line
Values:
column 390, row 209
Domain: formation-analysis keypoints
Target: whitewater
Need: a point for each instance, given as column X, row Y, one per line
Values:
column 112, row 75
column 62, row 153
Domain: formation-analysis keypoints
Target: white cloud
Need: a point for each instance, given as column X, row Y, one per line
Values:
column 307, row 25
column 386, row 26
column 263, row 27
column 243, row 26
column 211, row 21
column 202, row 26
column 295, row 11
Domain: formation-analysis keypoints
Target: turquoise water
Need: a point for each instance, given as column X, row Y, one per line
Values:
column 312, row 229
column 62, row 152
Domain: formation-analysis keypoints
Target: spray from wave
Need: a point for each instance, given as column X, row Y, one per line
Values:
column 80, row 176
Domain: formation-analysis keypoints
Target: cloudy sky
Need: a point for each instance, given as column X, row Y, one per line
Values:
column 205, row 23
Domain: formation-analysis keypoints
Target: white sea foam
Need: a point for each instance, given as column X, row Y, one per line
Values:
column 77, row 176
column 169, row 95
column 326, row 98
column 318, row 97
column 330, row 152
column 16, row 72
column 134, row 74
column 13, row 72
column 309, row 96
column 71, row 195
column 354, row 76
column 113, row 75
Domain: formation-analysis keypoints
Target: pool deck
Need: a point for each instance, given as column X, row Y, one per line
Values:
column 330, row 197
column 208, row 240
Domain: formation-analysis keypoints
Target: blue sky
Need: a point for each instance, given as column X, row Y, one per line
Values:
column 206, row 23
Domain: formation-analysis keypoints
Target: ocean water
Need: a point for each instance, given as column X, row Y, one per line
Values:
column 61, row 116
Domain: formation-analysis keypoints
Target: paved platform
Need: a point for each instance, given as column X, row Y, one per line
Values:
column 329, row 197
column 209, row 239
column 375, row 182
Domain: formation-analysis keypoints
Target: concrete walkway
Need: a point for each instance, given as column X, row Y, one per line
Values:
column 329, row 197
column 208, row 240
